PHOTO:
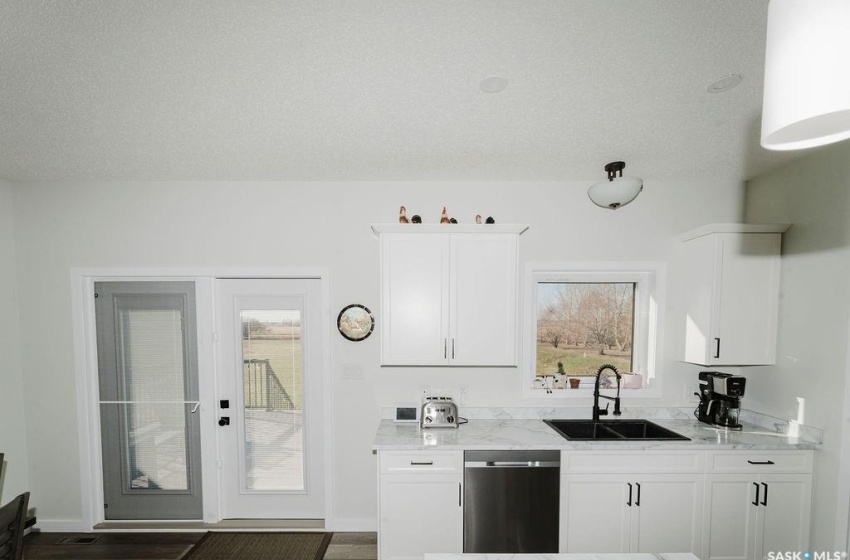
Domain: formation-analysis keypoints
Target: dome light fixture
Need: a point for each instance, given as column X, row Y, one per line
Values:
column 616, row 191
column 806, row 85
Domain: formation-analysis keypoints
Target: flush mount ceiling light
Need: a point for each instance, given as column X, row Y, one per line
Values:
column 616, row 191
column 806, row 85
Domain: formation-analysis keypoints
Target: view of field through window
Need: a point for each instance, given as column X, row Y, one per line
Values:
column 582, row 326
column 272, row 382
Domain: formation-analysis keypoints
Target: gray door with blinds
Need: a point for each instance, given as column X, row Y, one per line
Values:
column 150, row 429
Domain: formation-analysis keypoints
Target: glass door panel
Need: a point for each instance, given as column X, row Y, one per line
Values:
column 154, row 431
column 272, row 396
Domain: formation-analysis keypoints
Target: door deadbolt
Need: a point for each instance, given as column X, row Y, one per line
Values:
column 224, row 421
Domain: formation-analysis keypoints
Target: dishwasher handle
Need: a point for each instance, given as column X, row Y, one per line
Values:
column 511, row 464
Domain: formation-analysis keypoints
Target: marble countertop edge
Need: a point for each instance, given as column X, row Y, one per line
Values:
column 515, row 434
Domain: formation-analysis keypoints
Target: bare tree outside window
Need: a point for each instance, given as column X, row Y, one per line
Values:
column 583, row 326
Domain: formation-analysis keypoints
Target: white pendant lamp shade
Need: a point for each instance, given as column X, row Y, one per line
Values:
column 616, row 191
column 806, row 80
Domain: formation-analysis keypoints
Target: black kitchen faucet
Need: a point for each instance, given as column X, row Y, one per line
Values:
column 597, row 412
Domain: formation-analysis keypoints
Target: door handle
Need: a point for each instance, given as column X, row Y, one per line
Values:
column 459, row 495
column 756, row 501
column 717, row 348
column 761, row 462
column 629, row 503
column 764, row 500
column 224, row 421
column 445, row 348
column 637, row 500
column 453, row 349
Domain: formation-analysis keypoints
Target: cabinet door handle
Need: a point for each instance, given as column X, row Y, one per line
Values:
column 453, row 349
column 445, row 348
column 761, row 462
column 756, row 501
column 717, row 348
column 764, row 500
column 629, row 503
column 422, row 463
column 637, row 500
column 459, row 495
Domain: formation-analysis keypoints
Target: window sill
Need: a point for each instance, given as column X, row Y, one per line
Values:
column 585, row 391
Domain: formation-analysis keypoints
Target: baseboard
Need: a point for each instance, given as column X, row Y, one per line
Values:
column 223, row 525
column 353, row 525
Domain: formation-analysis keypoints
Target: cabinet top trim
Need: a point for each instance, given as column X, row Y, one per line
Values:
column 518, row 229
column 734, row 228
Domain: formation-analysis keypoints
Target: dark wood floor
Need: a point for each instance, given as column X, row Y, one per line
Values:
column 163, row 546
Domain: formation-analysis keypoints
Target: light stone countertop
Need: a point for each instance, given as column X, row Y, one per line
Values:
column 607, row 556
column 528, row 433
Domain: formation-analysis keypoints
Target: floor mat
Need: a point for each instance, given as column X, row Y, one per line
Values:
column 260, row 546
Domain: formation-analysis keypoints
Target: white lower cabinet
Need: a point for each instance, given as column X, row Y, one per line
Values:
column 633, row 501
column 719, row 505
column 631, row 513
column 669, row 514
column 420, row 504
column 594, row 515
column 763, row 507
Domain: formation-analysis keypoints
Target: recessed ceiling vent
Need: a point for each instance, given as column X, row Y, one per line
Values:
column 493, row 84
column 724, row 84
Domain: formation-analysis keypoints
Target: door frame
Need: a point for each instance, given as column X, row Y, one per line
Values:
column 86, row 380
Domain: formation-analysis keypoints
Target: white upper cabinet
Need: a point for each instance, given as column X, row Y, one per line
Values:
column 731, row 281
column 448, row 295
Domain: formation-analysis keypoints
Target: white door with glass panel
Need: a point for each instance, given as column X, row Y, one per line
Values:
column 269, row 371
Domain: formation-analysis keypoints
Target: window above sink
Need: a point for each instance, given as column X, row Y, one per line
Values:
column 582, row 315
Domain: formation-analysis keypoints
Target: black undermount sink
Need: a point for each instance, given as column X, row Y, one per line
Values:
column 612, row 430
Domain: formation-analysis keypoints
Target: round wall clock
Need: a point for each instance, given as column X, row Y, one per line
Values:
column 355, row 322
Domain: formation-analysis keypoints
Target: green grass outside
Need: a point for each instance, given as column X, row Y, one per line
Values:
column 577, row 361
column 285, row 358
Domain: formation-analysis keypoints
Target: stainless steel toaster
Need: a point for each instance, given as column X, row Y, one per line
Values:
column 438, row 412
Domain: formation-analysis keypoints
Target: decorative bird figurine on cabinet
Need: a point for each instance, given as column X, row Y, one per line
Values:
column 402, row 215
column 444, row 216
column 478, row 218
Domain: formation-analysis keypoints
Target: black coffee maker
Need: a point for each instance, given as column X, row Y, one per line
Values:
column 720, row 399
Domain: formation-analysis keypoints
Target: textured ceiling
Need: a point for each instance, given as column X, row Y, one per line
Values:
column 379, row 90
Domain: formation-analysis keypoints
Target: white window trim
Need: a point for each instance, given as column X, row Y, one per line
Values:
column 650, row 277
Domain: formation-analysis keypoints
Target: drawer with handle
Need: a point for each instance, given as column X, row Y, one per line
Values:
column 406, row 462
column 759, row 461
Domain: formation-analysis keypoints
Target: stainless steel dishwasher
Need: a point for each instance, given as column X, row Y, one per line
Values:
column 511, row 501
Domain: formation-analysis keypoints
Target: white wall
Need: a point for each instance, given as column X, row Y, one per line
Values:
column 813, row 193
column 61, row 226
column 13, row 476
